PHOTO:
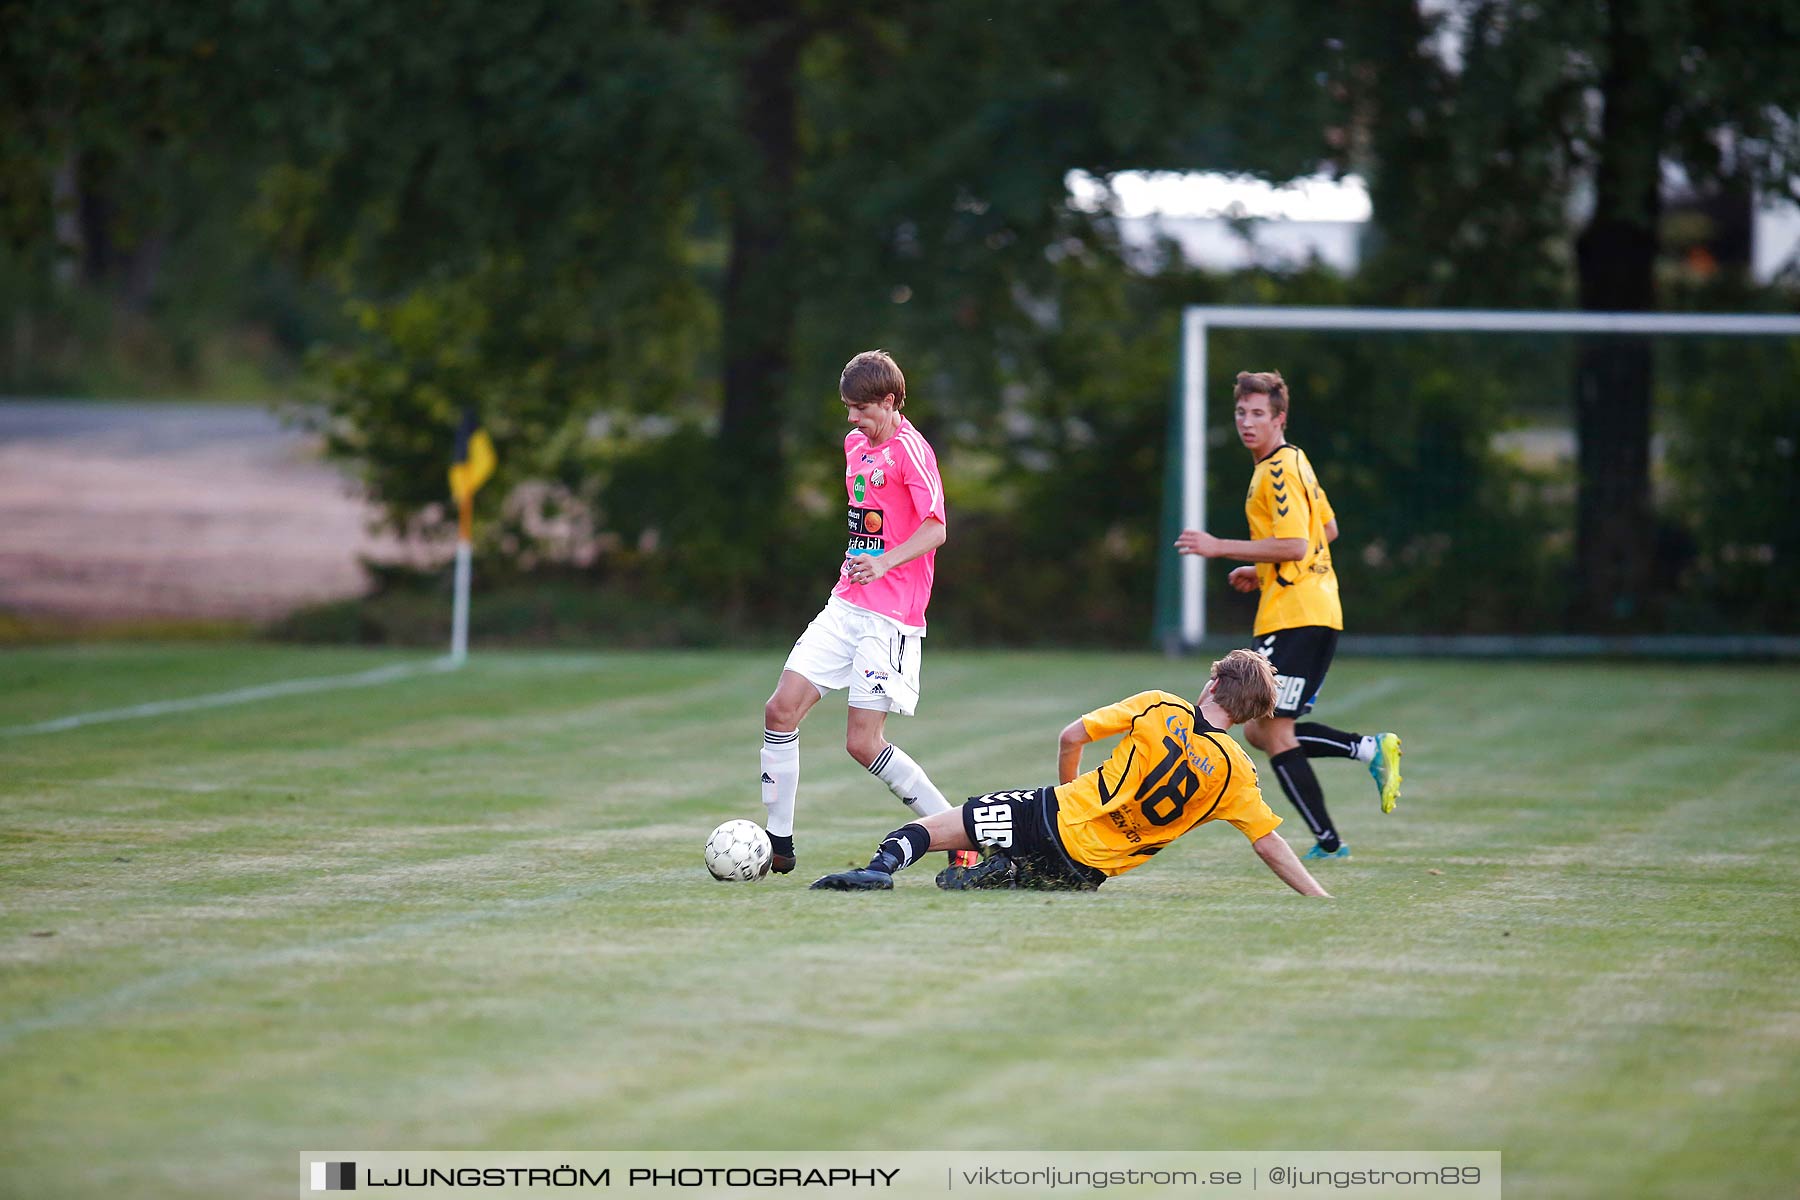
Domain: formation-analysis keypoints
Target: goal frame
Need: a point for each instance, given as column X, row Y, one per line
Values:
column 1198, row 320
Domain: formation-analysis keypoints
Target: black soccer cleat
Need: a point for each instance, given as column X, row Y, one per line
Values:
column 781, row 864
column 995, row 871
column 860, row 880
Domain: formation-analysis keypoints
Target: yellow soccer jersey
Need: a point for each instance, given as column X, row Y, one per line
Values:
column 1286, row 501
column 1170, row 772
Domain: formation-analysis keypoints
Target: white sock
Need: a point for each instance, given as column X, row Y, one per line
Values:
column 780, row 778
column 907, row 780
column 1365, row 749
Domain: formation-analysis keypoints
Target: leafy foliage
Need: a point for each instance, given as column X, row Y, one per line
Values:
column 640, row 238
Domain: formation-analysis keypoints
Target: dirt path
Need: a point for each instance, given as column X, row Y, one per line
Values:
column 111, row 511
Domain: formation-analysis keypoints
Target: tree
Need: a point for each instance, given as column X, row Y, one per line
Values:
column 904, row 172
column 506, row 198
column 868, row 177
column 760, row 297
column 110, row 159
column 1481, row 124
column 640, row 236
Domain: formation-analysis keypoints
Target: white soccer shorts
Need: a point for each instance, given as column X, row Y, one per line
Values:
column 851, row 647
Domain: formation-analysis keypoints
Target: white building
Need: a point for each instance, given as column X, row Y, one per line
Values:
column 1224, row 222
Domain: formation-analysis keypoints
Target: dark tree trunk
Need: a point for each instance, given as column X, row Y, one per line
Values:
column 1616, row 260
column 87, row 224
column 760, row 296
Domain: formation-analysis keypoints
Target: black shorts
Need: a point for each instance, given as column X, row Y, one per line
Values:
column 1022, row 825
column 1300, row 656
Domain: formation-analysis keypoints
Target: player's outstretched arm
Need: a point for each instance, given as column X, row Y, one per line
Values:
column 1273, row 849
column 1267, row 549
column 1068, row 750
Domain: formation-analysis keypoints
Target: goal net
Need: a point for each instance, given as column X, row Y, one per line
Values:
column 1448, row 443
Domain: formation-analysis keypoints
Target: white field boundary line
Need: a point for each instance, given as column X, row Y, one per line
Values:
column 248, row 695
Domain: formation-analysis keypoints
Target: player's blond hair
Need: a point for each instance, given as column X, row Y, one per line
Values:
column 1263, row 383
column 870, row 376
column 1244, row 686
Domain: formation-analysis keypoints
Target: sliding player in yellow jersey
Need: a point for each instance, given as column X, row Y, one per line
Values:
column 1173, row 770
column 1298, row 619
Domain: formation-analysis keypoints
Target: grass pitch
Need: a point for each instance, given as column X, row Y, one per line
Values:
column 467, row 911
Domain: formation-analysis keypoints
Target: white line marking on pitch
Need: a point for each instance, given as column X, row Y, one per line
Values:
column 266, row 691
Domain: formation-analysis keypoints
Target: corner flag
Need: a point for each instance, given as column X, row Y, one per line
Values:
column 473, row 464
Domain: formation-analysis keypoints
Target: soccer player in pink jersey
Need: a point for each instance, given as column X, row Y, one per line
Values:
column 869, row 636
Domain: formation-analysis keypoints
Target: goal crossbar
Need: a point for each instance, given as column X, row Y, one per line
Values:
column 1197, row 320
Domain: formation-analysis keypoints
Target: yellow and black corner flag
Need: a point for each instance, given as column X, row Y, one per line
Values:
column 473, row 463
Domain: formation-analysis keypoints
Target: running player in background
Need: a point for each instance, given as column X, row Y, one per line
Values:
column 1174, row 770
column 1299, row 616
column 869, row 636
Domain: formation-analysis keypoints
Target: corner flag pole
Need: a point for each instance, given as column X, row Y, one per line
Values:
column 470, row 469
column 459, row 618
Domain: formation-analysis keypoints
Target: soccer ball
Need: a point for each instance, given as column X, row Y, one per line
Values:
column 738, row 852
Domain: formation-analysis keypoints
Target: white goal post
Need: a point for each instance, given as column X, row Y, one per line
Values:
column 1198, row 320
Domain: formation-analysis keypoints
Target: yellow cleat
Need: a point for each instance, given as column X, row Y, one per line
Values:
column 1385, row 767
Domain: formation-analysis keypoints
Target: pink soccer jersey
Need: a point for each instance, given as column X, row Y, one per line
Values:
column 892, row 487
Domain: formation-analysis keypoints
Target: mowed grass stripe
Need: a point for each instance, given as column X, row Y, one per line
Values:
column 481, row 922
